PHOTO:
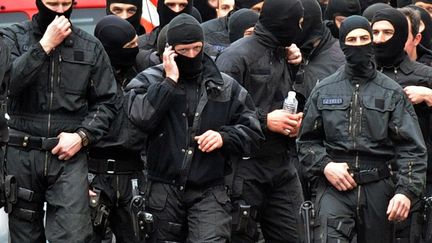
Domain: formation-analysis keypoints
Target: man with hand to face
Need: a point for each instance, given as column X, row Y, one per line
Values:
column 196, row 119
column 61, row 95
column 356, row 122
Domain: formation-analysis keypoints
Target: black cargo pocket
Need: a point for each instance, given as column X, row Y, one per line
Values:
column 335, row 115
column 341, row 228
column 158, row 197
column 375, row 117
column 223, row 199
column 75, row 70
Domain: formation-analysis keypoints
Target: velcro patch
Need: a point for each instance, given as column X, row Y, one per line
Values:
column 79, row 56
column 332, row 101
column 379, row 103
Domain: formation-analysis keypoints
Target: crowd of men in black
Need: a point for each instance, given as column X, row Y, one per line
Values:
column 179, row 134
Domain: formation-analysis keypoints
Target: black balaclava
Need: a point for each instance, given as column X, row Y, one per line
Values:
column 359, row 58
column 161, row 40
column 427, row 32
column 185, row 29
column 196, row 14
column 45, row 15
column 391, row 52
column 372, row 9
column 114, row 32
column 239, row 4
column 367, row 3
column 135, row 19
column 207, row 12
column 240, row 21
column 312, row 22
column 340, row 8
column 166, row 14
column 281, row 18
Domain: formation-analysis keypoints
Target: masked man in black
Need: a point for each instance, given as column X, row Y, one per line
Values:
column 61, row 98
column 167, row 10
column 115, row 160
column 130, row 10
column 196, row 119
column 267, row 180
column 355, row 122
column 390, row 29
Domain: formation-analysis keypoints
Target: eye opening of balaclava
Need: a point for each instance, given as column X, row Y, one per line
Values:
column 282, row 19
column 359, row 58
column 114, row 33
column 135, row 19
column 45, row 15
column 166, row 14
column 391, row 52
column 185, row 29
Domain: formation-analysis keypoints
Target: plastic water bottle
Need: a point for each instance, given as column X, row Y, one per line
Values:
column 291, row 103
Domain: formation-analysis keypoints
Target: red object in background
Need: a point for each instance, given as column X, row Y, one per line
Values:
column 18, row 10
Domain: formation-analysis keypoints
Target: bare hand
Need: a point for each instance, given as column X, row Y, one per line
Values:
column 418, row 94
column 398, row 208
column 55, row 33
column 169, row 64
column 293, row 54
column 337, row 174
column 69, row 144
column 209, row 141
column 282, row 122
column 92, row 193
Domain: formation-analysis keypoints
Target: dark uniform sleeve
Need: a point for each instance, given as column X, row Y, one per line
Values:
column 243, row 134
column 102, row 97
column 310, row 141
column 148, row 101
column 411, row 156
column 4, row 59
column 25, row 66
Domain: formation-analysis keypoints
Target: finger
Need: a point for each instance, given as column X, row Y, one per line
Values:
column 55, row 150
column 346, row 184
column 208, row 144
column 350, row 180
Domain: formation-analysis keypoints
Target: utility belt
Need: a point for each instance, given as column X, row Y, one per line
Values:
column 114, row 166
column 32, row 142
column 365, row 176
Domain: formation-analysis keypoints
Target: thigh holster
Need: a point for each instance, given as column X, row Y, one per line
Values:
column 245, row 218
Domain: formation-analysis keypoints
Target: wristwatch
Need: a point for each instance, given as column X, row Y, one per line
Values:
column 84, row 138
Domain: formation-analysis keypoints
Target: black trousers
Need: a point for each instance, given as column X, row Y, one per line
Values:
column 272, row 187
column 62, row 184
column 119, row 190
column 193, row 215
column 356, row 214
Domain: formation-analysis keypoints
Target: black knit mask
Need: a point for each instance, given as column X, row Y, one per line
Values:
column 45, row 15
column 185, row 29
column 114, row 33
column 166, row 14
column 312, row 23
column 134, row 19
column 240, row 21
column 358, row 57
column 391, row 52
column 282, row 19
column 340, row 8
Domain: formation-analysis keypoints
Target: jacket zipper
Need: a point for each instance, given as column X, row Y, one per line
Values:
column 410, row 164
column 356, row 120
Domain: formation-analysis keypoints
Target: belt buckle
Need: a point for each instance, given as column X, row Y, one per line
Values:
column 111, row 166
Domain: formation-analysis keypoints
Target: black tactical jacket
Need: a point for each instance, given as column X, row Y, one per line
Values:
column 159, row 106
column 263, row 70
column 72, row 87
column 372, row 119
column 414, row 73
